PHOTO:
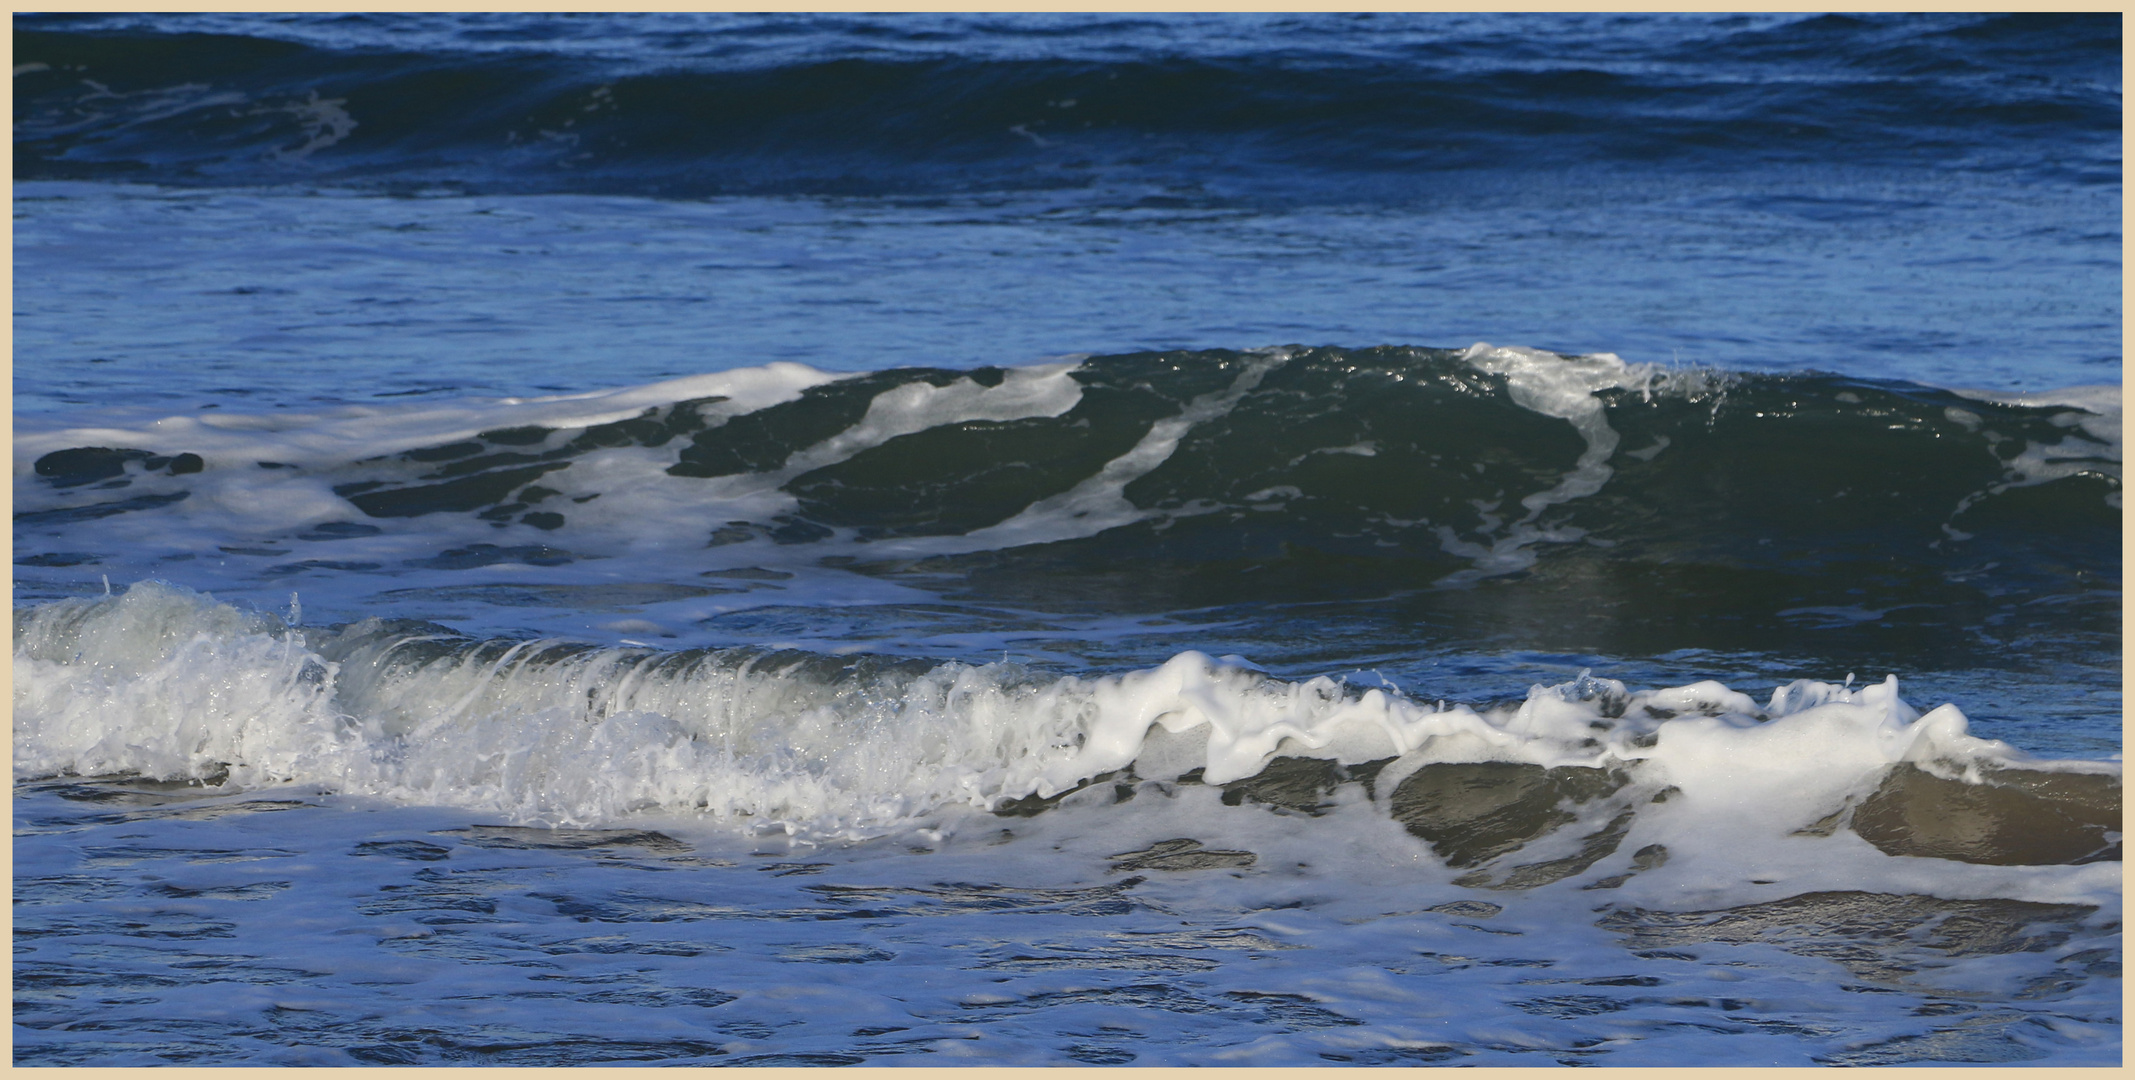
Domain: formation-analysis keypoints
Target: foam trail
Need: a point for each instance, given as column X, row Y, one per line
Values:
column 1563, row 387
column 1099, row 502
column 351, row 432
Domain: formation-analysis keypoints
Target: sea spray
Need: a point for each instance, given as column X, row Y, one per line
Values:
column 166, row 683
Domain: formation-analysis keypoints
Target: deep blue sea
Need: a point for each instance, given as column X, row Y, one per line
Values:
column 1067, row 539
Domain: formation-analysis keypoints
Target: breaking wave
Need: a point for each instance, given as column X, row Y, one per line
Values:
column 166, row 683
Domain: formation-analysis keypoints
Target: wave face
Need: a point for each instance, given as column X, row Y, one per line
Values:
column 1279, row 108
column 1387, row 498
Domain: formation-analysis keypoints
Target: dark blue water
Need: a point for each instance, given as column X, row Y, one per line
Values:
column 1935, row 198
column 1252, row 110
column 349, row 309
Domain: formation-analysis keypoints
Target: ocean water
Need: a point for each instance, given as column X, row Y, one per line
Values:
column 920, row 540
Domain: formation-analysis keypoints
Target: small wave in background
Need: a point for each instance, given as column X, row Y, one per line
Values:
column 1217, row 109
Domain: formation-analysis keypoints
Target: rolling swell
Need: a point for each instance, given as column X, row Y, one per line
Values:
column 907, row 107
column 1485, row 495
column 1740, row 512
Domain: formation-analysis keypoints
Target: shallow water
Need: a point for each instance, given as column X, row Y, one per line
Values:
column 347, row 931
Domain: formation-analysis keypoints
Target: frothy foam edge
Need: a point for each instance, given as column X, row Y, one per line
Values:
column 165, row 682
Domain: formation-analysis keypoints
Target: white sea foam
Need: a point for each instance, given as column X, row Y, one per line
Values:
column 2099, row 407
column 1022, row 393
column 2091, row 415
column 234, row 499
column 641, row 519
column 1563, row 387
column 169, row 683
column 1100, row 502
column 352, row 432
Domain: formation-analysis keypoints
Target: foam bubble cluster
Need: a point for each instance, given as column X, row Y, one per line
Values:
column 164, row 682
